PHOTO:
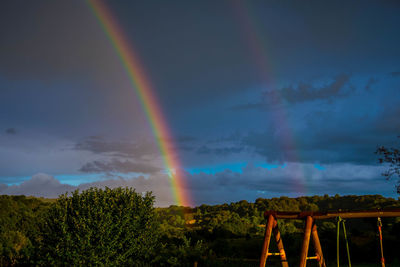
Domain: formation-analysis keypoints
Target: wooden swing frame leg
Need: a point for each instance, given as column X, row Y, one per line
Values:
column 317, row 246
column 272, row 228
column 311, row 230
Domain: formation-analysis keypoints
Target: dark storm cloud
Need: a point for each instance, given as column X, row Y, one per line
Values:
column 116, row 165
column 307, row 92
column 303, row 92
column 388, row 122
column 144, row 148
column 395, row 73
column 186, row 139
column 98, row 145
column 357, row 142
column 221, row 151
column 372, row 81
column 60, row 76
column 182, row 142
column 329, row 138
column 221, row 146
column 49, row 40
column 11, row 131
column 247, row 106
column 346, row 129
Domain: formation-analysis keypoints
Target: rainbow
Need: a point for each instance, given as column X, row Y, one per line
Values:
column 258, row 47
column 148, row 100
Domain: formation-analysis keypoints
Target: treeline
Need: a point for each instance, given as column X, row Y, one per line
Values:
column 121, row 227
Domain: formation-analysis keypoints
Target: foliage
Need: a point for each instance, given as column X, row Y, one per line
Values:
column 390, row 156
column 234, row 232
column 19, row 218
column 121, row 227
column 99, row 227
column 182, row 253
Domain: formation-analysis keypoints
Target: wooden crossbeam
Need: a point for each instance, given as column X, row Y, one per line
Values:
column 317, row 215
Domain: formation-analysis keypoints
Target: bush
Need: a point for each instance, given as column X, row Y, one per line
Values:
column 99, row 227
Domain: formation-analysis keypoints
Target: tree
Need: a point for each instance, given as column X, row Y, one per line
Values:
column 110, row 227
column 19, row 218
column 390, row 156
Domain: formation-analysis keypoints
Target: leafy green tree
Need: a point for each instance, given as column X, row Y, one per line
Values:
column 390, row 156
column 110, row 227
column 19, row 217
column 13, row 246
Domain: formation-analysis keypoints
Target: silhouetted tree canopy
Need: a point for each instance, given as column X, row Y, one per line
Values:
column 390, row 156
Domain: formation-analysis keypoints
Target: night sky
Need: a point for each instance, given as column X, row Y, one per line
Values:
column 263, row 98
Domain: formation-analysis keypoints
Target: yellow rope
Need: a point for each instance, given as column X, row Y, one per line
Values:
column 340, row 220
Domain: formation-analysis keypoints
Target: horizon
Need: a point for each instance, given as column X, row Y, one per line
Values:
column 44, row 199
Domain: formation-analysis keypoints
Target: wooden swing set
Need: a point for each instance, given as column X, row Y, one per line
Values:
column 310, row 230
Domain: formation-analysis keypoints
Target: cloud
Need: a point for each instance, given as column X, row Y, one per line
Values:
column 27, row 153
column 349, row 130
column 291, row 179
column 11, row 131
column 221, row 151
column 248, row 106
column 44, row 185
column 182, row 142
column 158, row 184
column 47, row 28
column 118, row 166
column 388, row 122
column 3, row 187
column 138, row 150
column 185, row 139
column 125, row 157
column 40, row 185
column 372, row 81
column 307, row 92
column 395, row 74
column 303, row 92
column 328, row 144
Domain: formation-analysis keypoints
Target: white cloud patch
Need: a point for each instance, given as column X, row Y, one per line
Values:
column 44, row 185
column 40, row 185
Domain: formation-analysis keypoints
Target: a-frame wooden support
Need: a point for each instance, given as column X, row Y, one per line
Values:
column 311, row 231
column 272, row 227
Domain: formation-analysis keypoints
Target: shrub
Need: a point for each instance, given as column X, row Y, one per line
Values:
column 99, row 227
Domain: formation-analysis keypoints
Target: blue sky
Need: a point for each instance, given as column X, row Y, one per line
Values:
column 291, row 95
